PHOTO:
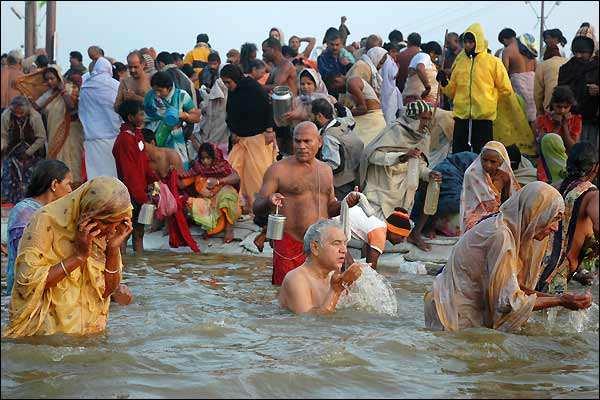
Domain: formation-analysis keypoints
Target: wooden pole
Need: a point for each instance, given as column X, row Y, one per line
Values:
column 50, row 29
column 30, row 28
column 541, row 30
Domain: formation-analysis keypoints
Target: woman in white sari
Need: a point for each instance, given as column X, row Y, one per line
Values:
column 492, row 270
column 100, row 121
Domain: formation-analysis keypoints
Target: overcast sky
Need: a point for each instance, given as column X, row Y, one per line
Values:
column 119, row 27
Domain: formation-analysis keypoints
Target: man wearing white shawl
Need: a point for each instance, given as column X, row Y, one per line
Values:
column 492, row 269
column 383, row 168
column 100, row 121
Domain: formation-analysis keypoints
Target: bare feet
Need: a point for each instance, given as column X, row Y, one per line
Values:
column 228, row 234
column 259, row 241
column 418, row 241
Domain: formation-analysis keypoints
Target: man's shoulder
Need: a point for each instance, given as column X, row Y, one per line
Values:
column 295, row 279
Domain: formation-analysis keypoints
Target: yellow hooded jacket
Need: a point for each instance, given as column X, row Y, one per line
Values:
column 477, row 82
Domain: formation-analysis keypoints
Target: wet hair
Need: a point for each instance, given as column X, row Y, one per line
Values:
column 583, row 156
column 245, row 51
column 232, row 72
column 432, row 47
column 44, row 173
column 214, row 56
column 76, row 55
column 287, row 51
column 149, row 135
column 315, row 233
column 322, row 106
column 506, row 33
column 118, row 67
column 129, row 108
column 256, row 64
column 161, row 79
column 202, row 37
column 563, row 94
column 164, row 57
column 395, row 36
column 208, row 149
column 272, row 43
column 42, row 61
column 331, row 34
column 414, row 39
column 187, row 69
column 514, row 154
column 53, row 71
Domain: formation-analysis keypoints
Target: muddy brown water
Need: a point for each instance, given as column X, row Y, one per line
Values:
column 208, row 326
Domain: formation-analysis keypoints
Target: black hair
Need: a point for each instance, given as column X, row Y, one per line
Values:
column 256, row 64
column 395, row 36
column 53, row 71
column 563, row 94
column 514, row 154
column 331, row 34
column 582, row 44
column 556, row 34
column 468, row 36
column 214, row 56
column 44, row 173
column 452, row 34
column 287, row 51
column 272, row 43
column 176, row 56
column 322, row 106
column 208, row 149
column 584, row 25
column 432, row 47
column 245, row 51
column 329, row 80
column 138, row 54
column 202, row 37
column 187, row 69
column 165, row 57
column 149, row 135
column 77, row 55
column 392, row 46
column 161, row 79
column 42, row 61
column 582, row 158
column 307, row 74
column 414, row 39
column 506, row 33
column 232, row 72
column 129, row 107
column 118, row 67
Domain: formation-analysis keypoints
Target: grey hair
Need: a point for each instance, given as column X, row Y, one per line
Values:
column 19, row 101
column 315, row 232
column 305, row 124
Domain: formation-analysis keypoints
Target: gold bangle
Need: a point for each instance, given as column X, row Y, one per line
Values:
column 62, row 264
column 111, row 272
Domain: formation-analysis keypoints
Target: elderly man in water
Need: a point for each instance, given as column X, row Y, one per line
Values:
column 316, row 285
column 302, row 187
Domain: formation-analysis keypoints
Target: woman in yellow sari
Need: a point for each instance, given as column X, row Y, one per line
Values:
column 69, row 262
column 57, row 101
column 215, row 205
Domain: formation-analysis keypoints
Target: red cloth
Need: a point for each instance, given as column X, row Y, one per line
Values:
column 288, row 253
column 220, row 168
column 544, row 124
column 177, row 226
column 132, row 163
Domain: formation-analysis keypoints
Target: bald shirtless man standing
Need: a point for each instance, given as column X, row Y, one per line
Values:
column 519, row 60
column 302, row 188
column 316, row 285
column 282, row 74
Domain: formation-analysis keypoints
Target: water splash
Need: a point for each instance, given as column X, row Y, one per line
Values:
column 371, row 292
column 580, row 320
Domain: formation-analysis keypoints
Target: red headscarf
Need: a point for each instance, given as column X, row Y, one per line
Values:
column 220, row 168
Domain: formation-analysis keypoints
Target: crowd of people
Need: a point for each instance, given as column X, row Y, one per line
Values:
column 511, row 142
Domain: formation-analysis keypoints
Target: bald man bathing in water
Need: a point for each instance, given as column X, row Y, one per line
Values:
column 302, row 187
column 316, row 285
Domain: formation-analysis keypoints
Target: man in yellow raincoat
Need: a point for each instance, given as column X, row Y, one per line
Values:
column 477, row 82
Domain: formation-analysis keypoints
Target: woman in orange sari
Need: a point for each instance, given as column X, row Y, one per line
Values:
column 215, row 204
column 57, row 101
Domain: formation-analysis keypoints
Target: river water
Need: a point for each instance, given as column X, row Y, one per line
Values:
column 208, row 326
